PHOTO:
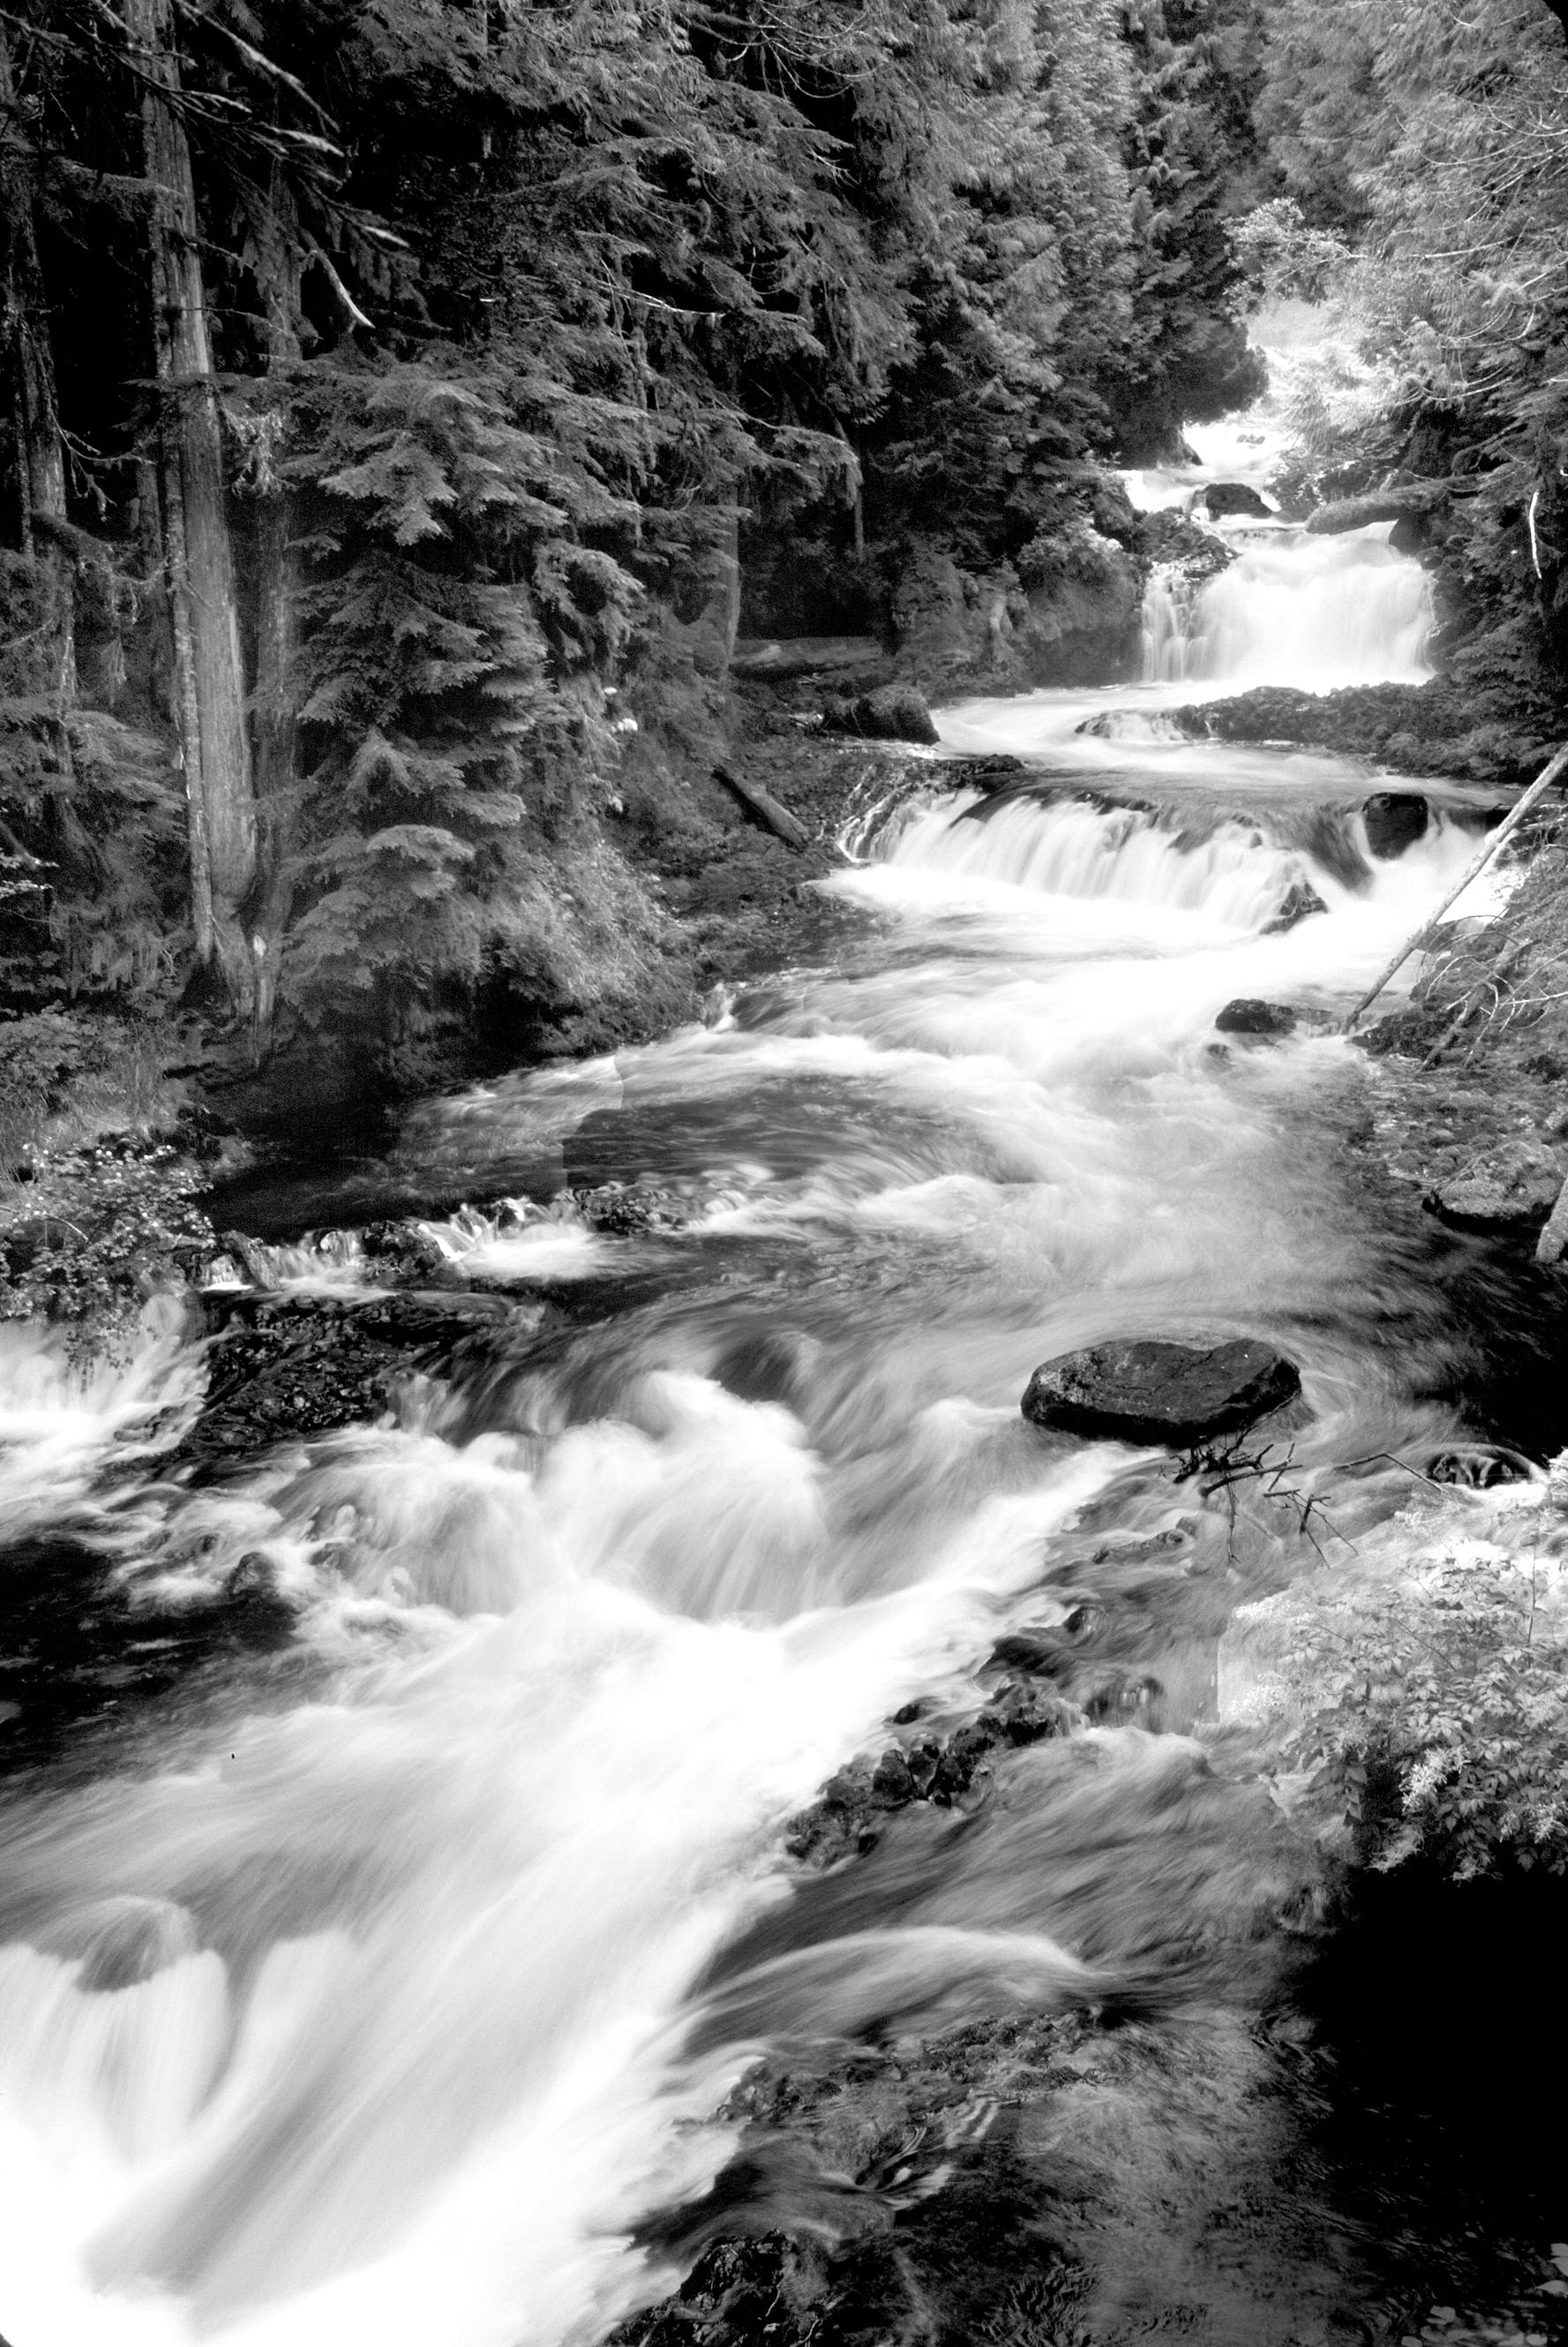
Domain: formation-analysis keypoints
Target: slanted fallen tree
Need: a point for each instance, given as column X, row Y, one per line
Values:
column 1421, row 938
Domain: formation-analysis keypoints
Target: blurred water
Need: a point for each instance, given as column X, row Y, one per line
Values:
column 361, row 2008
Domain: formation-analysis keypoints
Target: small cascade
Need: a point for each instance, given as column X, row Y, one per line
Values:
column 1169, row 636
column 1312, row 612
column 1236, row 876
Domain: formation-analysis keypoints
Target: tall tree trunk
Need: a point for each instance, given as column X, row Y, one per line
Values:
column 209, row 679
column 278, row 269
column 40, row 457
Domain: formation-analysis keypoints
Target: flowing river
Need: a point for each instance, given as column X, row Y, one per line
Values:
column 373, row 1988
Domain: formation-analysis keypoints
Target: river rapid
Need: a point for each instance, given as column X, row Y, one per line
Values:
column 374, row 1986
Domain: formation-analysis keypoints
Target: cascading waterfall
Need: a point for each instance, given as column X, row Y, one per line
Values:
column 353, row 1999
column 1315, row 612
column 1236, row 877
column 1169, row 637
column 1291, row 608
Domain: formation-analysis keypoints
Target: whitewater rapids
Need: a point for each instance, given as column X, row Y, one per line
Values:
column 351, row 2000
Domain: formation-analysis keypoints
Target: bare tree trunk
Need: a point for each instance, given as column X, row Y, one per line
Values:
column 729, row 598
column 209, row 679
column 40, row 457
column 276, row 782
column 856, row 485
column 280, row 256
column 1419, row 938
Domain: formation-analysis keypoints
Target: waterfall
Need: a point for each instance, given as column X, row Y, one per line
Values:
column 1291, row 609
column 1169, row 634
column 1236, row 877
column 1246, row 876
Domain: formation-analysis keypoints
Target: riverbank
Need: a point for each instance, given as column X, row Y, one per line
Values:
column 1274, row 2157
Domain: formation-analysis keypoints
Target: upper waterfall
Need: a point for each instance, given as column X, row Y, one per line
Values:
column 1315, row 612
column 1289, row 609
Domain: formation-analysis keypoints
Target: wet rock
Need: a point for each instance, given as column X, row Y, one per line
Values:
column 1249, row 1015
column 1152, row 1391
column 846, row 1818
column 1394, row 820
column 1478, row 1466
column 1175, row 537
column 894, row 712
column 626, row 1209
column 992, row 772
column 1235, row 497
column 1513, row 1182
column 1299, row 902
column 401, row 1249
column 292, row 1368
column 1437, row 728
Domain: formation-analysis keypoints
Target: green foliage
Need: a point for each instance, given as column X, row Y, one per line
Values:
column 97, row 1174
column 58, row 1065
column 1283, row 257
column 1437, row 140
column 519, row 311
column 450, row 607
column 1440, row 1714
column 117, row 1224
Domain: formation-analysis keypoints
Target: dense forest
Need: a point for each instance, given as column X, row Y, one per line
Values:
column 409, row 404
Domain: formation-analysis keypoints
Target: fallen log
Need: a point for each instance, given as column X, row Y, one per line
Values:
column 765, row 807
column 1418, row 499
column 788, row 656
column 1477, row 864
column 1553, row 1243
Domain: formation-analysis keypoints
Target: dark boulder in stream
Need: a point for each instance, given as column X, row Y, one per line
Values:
column 894, row 712
column 1394, row 820
column 1299, row 902
column 1230, row 497
column 1152, row 1391
column 1249, row 1015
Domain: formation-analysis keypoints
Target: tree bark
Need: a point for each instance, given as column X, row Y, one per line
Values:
column 279, row 259
column 40, row 457
column 209, row 679
column 764, row 806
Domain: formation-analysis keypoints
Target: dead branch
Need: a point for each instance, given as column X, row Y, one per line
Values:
column 1473, row 871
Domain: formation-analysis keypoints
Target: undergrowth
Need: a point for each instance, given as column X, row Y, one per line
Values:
column 1507, row 980
column 1436, row 1712
column 99, row 1163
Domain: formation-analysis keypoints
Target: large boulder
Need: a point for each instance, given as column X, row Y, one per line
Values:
column 1151, row 1392
column 1171, row 536
column 1248, row 1015
column 1234, row 497
column 894, row 713
column 1513, row 1182
column 1394, row 820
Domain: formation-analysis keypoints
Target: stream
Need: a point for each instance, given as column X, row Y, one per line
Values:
column 373, row 1983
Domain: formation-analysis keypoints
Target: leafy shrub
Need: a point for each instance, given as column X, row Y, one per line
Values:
column 91, row 1071
column 1439, row 1719
column 117, row 1223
